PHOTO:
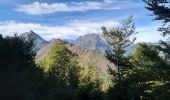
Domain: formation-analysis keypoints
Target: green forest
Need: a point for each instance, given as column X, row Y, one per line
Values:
column 143, row 75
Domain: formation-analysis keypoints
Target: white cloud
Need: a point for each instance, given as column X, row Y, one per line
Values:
column 148, row 34
column 69, row 31
column 75, row 29
column 37, row 8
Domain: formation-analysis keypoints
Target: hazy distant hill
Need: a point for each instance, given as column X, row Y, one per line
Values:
column 39, row 41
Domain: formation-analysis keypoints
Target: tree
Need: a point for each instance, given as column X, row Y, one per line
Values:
column 20, row 78
column 62, row 73
column 89, row 83
column 147, row 74
column 161, row 11
column 119, row 39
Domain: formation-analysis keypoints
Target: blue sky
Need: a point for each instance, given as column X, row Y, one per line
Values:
column 68, row 19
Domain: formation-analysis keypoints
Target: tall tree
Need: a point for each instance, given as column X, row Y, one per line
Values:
column 119, row 39
column 147, row 75
column 161, row 11
column 62, row 73
column 20, row 78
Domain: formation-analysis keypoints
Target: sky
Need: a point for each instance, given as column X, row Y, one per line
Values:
column 69, row 19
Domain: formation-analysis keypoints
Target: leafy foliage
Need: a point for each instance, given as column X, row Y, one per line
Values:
column 90, row 87
column 119, row 39
column 66, row 80
column 18, row 74
column 62, row 72
column 161, row 10
column 147, row 74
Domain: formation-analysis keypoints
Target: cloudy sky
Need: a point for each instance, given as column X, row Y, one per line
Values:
column 68, row 19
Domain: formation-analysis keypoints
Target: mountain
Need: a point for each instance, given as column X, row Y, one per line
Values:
column 91, row 57
column 93, row 41
column 39, row 41
column 86, row 56
column 98, row 43
column 44, row 51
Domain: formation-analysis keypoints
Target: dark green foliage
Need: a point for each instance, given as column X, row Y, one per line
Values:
column 64, row 66
column 118, row 38
column 61, row 73
column 58, row 78
column 161, row 9
column 147, row 78
column 89, row 84
column 65, row 80
column 19, row 76
column 147, row 75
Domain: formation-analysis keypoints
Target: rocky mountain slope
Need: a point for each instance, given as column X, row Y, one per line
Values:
column 39, row 41
column 98, row 43
column 93, row 41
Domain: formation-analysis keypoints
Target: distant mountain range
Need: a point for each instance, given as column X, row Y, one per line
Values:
column 90, row 48
column 95, row 42
column 98, row 43
column 90, row 51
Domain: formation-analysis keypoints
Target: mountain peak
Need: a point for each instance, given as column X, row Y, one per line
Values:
column 31, row 32
column 39, row 41
column 93, row 41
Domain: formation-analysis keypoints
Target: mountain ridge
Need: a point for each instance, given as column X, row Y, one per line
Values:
column 92, row 41
column 86, row 56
